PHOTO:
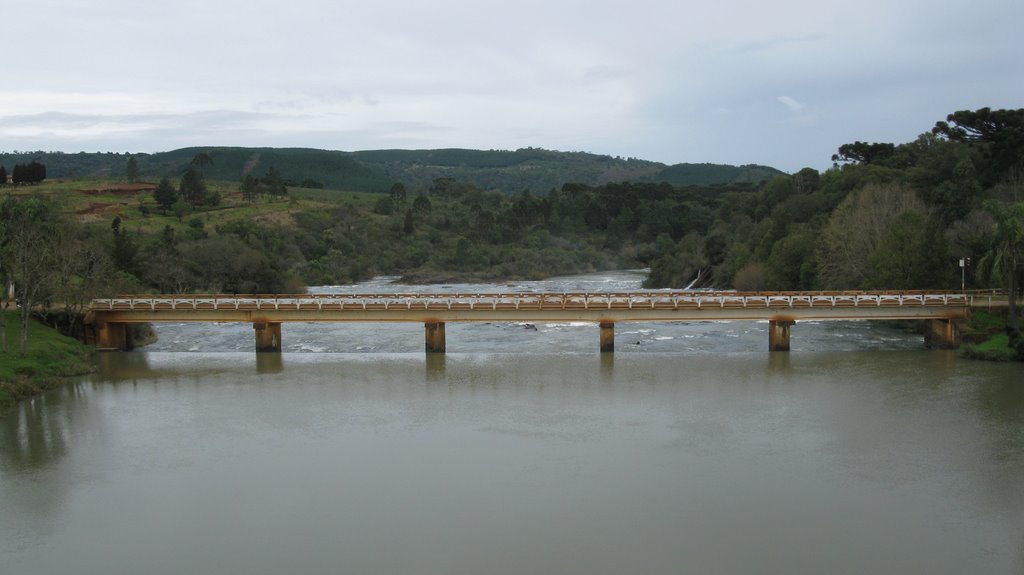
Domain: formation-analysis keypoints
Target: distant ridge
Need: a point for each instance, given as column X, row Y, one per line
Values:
column 507, row 171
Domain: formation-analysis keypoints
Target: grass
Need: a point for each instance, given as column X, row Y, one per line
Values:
column 51, row 356
column 994, row 341
column 985, row 321
column 139, row 212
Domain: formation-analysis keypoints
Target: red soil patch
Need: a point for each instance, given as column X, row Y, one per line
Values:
column 94, row 208
column 121, row 189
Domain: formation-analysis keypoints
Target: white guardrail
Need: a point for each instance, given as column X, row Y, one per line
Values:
column 531, row 301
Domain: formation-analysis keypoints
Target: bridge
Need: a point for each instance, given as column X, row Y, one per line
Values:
column 110, row 317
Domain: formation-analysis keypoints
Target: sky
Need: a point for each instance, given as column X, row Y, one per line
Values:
column 781, row 83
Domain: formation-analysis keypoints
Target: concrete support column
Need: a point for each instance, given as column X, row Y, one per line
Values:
column 778, row 335
column 111, row 335
column 434, row 336
column 607, row 336
column 944, row 334
column 268, row 336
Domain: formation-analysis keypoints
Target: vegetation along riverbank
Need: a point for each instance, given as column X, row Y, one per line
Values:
column 992, row 337
column 944, row 211
column 50, row 358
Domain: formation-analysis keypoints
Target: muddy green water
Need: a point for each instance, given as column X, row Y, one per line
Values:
column 739, row 462
column 691, row 450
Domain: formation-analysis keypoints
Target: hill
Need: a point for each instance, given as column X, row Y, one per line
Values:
column 507, row 171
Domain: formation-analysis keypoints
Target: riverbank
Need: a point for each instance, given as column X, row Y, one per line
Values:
column 986, row 337
column 51, row 357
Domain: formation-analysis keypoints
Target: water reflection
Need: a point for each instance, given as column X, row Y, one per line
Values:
column 435, row 365
column 599, row 463
column 125, row 366
column 779, row 361
column 607, row 367
column 35, row 433
column 269, row 363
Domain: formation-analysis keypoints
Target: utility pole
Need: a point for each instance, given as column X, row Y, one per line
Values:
column 964, row 262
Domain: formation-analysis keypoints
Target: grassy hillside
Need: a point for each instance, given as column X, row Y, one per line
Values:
column 507, row 171
column 316, row 236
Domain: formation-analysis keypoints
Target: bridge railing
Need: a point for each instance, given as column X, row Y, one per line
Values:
column 531, row 301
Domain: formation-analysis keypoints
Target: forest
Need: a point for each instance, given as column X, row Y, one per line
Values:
column 506, row 171
column 885, row 216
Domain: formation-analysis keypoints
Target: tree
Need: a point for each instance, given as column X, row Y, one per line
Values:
column 422, row 204
column 998, row 133
column 32, row 232
column 165, row 195
column 131, row 170
column 791, row 263
column 3, row 175
column 30, row 173
column 125, row 250
column 678, row 264
column 1003, row 260
column 384, row 206
column 398, row 195
column 192, row 187
column 750, row 277
column 274, row 183
column 807, row 181
column 249, row 188
column 912, row 255
column 864, row 153
column 854, row 231
column 81, row 272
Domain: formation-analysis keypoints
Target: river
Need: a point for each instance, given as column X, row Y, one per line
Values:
column 522, row 450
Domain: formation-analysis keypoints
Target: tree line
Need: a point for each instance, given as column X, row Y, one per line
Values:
column 885, row 216
column 46, row 257
column 30, row 173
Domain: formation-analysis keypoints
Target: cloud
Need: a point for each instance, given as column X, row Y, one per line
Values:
column 790, row 103
column 797, row 78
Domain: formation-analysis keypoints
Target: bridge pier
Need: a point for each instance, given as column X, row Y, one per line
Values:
column 113, row 335
column 778, row 334
column 434, row 331
column 944, row 334
column 268, row 336
column 607, row 337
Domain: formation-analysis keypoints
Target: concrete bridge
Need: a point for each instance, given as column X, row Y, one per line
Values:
column 266, row 313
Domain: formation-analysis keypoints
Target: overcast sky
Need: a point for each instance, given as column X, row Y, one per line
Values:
column 781, row 83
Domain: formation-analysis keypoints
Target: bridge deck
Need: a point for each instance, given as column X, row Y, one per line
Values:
column 781, row 309
column 598, row 307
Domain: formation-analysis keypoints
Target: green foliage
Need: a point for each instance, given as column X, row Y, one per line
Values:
column 911, row 255
column 165, row 195
column 1005, row 258
column 48, row 357
column 893, row 216
column 986, row 321
column 30, row 173
column 131, row 169
column 791, row 264
column 996, row 348
column 508, row 171
column 1008, row 345
column 998, row 134
column 864, row 153
column 273, row 183
column 384, row 206
column 192, row 188
column 34, row 244
column 714, row 174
